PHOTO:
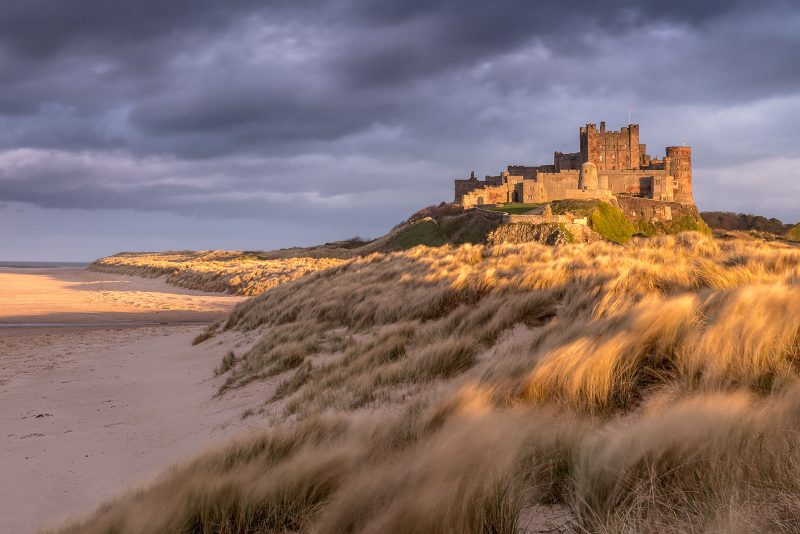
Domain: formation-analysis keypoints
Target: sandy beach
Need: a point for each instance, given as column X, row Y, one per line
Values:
column 79, row 296
column 101, row 387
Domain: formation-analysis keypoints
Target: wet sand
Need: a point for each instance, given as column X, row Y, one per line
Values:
column 87, row 409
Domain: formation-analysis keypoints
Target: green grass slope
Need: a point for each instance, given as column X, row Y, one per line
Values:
column 794, row 233
column 425, row 232
column 611, row 223
column 434, row 230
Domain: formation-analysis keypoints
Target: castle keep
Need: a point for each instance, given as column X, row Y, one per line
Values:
column 609, row 163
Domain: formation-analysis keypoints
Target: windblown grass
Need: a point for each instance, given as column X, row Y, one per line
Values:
column 252, row 273
column 221, row 271
column 651, row 387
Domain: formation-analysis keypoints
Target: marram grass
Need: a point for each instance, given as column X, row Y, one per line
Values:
column 651, row 387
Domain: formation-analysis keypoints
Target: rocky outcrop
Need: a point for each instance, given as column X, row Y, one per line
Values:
column 645, row 209
column 652, row 217
column 547, row 233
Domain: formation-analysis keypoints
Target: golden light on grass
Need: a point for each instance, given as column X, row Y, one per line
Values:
column 650, row 387
column 216, row 270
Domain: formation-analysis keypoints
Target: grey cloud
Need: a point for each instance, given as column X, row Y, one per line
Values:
column 218, row 189
column 366, row 109
column 365, row 61
column 41, row 28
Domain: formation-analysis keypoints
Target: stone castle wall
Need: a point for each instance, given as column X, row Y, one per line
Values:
column 528, row 172
column 462, row 187
column 637, row 182
column 565, row 162
column 651, row 210
column 556, row 186
column 493, row 194
column 622, row 166
column 543, row 219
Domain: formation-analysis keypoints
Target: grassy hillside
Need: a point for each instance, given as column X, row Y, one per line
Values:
column 794, row 233
column 467, row 227
column 651, row 387
column 725, row 220
column 253, row 272
column 612, row 224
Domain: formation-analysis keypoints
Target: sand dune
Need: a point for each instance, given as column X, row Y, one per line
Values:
column 652, row 387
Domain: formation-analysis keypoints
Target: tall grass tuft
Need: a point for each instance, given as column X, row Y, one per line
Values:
column 651, row 387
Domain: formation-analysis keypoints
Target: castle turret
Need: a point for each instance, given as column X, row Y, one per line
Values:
column 680, row 167
column 634, row 156
column 588, row 176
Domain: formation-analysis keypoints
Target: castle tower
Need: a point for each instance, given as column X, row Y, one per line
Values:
column 590, row 144
column 634, row 156
column 588, row 177
column 680, row 167
column 611, row 150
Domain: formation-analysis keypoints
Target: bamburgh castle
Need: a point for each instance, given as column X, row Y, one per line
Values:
column 609, row 163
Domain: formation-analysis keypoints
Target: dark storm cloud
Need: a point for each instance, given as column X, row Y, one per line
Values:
column 244, row 108
column 213, row 77
column 42, row 28
column 362, row 59
column 412, row 39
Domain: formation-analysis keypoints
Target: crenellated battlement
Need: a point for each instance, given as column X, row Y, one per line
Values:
column 619, row 160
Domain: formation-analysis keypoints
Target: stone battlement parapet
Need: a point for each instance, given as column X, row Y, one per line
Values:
column 616, row 163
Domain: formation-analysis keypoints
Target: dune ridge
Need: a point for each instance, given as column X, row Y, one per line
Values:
column 651, row 387
column 221, row 271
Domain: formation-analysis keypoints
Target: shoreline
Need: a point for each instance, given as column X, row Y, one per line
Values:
column 101, row 387
column 98, row 325
column 68, row 295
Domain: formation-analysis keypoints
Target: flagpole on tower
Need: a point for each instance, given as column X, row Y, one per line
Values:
column 629, row 115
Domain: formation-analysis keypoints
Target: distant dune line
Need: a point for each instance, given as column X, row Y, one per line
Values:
column 242, row 273
column 254, row 272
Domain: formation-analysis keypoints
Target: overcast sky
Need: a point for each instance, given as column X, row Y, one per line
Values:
column 171, row 124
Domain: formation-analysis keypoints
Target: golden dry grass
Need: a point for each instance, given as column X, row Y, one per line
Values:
column 216, row 270
column 651, row 387
column 253, row 272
